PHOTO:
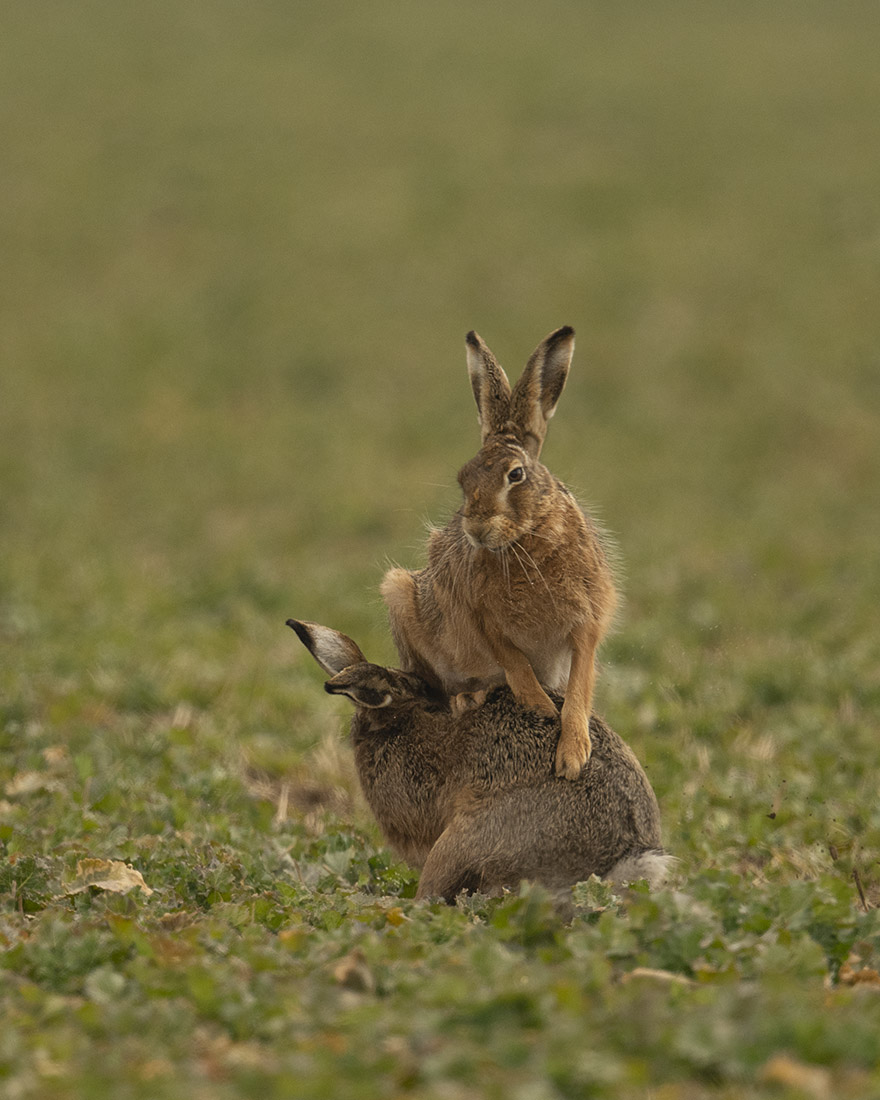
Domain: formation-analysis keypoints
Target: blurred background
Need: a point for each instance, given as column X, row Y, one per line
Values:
column 242, row 245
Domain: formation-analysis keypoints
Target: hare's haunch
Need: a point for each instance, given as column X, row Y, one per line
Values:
column 471, row 797
column 518, row 587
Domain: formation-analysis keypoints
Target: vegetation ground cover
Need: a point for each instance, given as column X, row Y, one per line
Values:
column 241, row 250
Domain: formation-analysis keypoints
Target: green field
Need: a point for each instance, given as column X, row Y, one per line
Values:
column 241, row 246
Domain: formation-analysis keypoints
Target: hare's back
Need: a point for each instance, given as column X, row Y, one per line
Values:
column 509, row 743
column 514, row 819
column 609, row 810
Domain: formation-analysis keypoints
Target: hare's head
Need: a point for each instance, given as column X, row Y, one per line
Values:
column 369, row 686
column 503, row 482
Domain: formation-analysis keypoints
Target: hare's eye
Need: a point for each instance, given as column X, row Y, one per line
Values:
column 516, row 474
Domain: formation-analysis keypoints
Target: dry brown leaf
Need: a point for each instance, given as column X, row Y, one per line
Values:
column 106, row 874
column 353, row 972
column 28, row 783
column 174, row 922
column 666, row 976
column 865, row 975
column 784, row 1070
column 55, row 755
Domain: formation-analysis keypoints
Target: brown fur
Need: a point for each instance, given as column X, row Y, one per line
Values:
column 472, row 799
column 518, row 586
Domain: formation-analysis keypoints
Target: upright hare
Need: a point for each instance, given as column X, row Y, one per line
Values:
column 471, row 798
column 518, row 585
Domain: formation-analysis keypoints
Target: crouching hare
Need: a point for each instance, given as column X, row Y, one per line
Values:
column 518, row 587
column 471, row 797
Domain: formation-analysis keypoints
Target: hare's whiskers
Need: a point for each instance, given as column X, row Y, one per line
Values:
column 512, row 547
column 505, row 566
column 537, row 569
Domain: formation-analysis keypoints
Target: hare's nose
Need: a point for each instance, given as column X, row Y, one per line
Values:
column 475, row 529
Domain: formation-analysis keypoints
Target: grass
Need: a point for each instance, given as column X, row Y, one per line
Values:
column 241, row 250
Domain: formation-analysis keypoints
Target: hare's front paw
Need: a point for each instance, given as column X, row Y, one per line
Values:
column 538, row 700
column 575, row 746
column 466, row 700
column 547, row 707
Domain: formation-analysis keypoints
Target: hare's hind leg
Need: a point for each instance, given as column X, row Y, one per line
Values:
column 451, row 866
column 575, row 746
column 398, row 590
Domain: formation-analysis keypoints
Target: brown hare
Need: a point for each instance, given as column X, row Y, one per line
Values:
column 471, row 797
column 518, row 586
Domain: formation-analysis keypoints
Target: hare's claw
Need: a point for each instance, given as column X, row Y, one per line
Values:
column 574, row 747
column 537, row 700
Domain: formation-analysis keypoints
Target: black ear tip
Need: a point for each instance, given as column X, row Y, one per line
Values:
column 472, row 339
column 302, row 631
column 563, row 333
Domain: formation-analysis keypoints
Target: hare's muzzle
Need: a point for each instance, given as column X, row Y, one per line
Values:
column 492, row 533
column 478, row 534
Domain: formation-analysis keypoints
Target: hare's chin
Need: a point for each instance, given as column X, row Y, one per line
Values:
column 494, row 548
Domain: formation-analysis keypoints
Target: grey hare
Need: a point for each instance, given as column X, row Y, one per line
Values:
column 471, row 798
column 518, row 586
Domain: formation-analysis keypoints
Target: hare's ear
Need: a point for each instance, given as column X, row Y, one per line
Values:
column 490, row 386
column 366, row 685
column 536, row 393
column 333, row 651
